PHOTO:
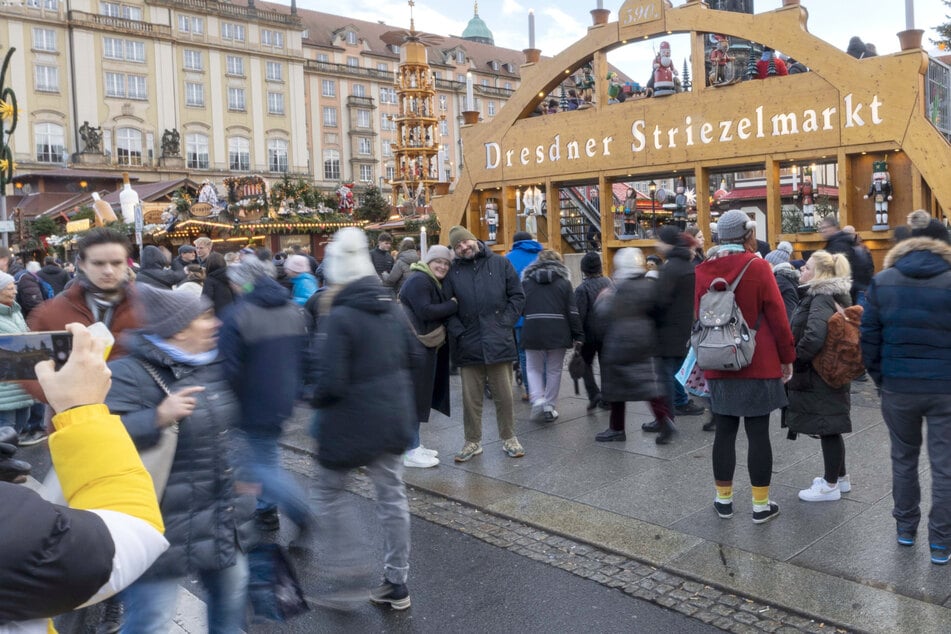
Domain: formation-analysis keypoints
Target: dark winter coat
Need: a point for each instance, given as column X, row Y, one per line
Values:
column 427, row 308
column 523, row 253
column 400, row 270
column 55, row 276
column 762, row 306
column 201, row 511
column 217, row 289
column 815, row 407
column 628, row 368
column 152, row 270
column 551, row 315
column 860, row 260
column 382, row 261
column 585, row 296
column 29, row 291
column 490, row 302
column 363, row 387
column 261, row 343
column 675, row 284
column 906, row 335
column 178, row 264
column 787, row 279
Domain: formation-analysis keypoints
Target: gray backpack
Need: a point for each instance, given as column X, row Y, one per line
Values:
column 721, row 339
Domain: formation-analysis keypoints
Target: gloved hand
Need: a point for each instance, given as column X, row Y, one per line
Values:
column 11, row 469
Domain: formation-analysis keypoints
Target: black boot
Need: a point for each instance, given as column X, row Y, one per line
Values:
column 652, row 427
column 666, row 433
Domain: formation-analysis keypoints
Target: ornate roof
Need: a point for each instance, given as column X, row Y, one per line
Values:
column 477, row 30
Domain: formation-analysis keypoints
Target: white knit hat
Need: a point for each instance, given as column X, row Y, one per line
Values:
column 348, row 257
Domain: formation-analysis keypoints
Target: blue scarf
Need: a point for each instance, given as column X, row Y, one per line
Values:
column 180, row 356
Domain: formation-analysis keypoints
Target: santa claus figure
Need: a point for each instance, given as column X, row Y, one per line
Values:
column 881, row 192
column 664, row 72
column 345, row 198
column 807, row 198
column 721, row 70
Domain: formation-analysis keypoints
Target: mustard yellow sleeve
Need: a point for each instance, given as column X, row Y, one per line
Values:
column 99, row 467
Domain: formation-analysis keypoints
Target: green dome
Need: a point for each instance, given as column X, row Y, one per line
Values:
column 477, row 31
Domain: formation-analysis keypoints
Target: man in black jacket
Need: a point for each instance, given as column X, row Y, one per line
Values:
column 382, row 259
column 54, row 275
column 483, row 344
column 675, row 288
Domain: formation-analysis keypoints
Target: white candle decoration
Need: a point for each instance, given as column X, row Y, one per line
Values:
column 470, row 102
column 600, row 4
column 531, row 28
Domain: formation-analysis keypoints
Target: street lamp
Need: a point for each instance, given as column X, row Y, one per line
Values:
column 652, row 188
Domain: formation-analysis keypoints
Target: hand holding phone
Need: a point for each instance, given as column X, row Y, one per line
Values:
column 19, row 353
column 84, row 379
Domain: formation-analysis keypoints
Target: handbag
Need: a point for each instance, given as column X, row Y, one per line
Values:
column 576, row 367
column 273, row 589
column 433, row 338
column 840, row 359
column 691, row 376
column 157, row 459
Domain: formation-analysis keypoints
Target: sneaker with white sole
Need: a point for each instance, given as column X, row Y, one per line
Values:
column 513, row 448
column 821, row 491
column 845, row 485
column 723, row 507
column 762, row 513
column 396, row 595
column 468, row 451
column 418, row 459
column 428, row 451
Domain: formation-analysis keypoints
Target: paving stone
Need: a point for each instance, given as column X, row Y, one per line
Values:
column 745, row 617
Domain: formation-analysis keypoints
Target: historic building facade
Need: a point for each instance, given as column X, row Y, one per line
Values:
column 205, row 89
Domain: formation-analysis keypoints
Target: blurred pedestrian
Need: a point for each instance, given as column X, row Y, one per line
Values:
column 186, row 255
column 407, row 257
column 194, row 280
column 304, row 283
column 524, row 251
column 381, row 257
column 217, row 288
column 154, row 270
column 593, row 284
column 15, row 403
column 54, row 275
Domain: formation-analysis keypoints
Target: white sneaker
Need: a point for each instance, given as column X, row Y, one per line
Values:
column 845, row 485
column 419, row 460
column 427, row 451
column 820, row 491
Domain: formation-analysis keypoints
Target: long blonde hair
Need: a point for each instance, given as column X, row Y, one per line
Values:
column 827, row 266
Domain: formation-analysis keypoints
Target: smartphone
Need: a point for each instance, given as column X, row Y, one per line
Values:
column 20, row 353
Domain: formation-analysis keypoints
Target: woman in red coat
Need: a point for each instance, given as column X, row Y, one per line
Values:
column 756, row 390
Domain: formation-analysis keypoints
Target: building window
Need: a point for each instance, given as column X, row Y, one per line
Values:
column 44, row 39
column 272, row 38
column 366, row 173
column 330, row 117
column 385, row 123
column 351, row 38
column 328, row 88
column 443, row 103
column 485, row 83
column 323, row 57
column 191, row 24
column 275, row 103
column 110, row 9
column 192, row 60
column 364, row 147
column 136, row 87
column 134, row 51
column 495, row 65
column 359, row 90
column 116, row 10
column 387, row 95
column 47, row 78
column 232, row 31
column 274, row 71
column 491, row 108
column 128, row 146
column 443, row 128
column 382, row 66
column 236, row 99
column 277, row 155
column 126, row 86
column 130, row 50
column 235, row 65
column 508, row 85
column 331, row 165
column 460, row 57
column 196, row 151
column 194, row 94
column 387, row 150
column 239, row 154
column 363, row 118
column 390, row 172
column 51, row 5
column 353, row 61
column 50, row 142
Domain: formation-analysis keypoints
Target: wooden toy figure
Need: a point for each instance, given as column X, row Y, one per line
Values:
column 881, row 192
column 664, row 72
column 680, row 200
column 721, row 67
column 345, row 198
column 807, row 198
column 614, row 88
column 586, row 85
column 492, row 218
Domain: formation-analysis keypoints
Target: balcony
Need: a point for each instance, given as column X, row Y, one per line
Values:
column 345, row 69
column 486, row 91
column 122, row 25
column 360, row 102
column 212, row 7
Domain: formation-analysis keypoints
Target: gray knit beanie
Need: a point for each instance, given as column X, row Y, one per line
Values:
column 5, row 280
column 248, row 271
column 733, row 225
column 165, row 313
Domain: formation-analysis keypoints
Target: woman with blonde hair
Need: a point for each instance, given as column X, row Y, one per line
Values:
column 815, row 407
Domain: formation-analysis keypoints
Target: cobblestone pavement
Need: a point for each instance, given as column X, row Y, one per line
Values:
column 705, row 603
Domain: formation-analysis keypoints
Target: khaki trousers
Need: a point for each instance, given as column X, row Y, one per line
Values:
column 499, row 378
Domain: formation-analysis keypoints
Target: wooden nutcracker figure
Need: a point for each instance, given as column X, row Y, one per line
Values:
column 808, row 200
column 492, row 217
column 881, row 192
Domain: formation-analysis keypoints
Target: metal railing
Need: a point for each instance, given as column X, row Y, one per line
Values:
column 938, row 96
column 362, row 102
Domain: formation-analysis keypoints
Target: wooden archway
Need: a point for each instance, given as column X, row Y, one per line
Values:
column 851, row 111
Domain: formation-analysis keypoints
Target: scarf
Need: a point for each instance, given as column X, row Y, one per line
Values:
column 424, row 268
column 102, row 303
column 728, row 249
column 180, row 356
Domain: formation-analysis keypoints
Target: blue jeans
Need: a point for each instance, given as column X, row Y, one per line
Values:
column 676, row 394
column 16, row 418
column 278, row 488
column 150, row 604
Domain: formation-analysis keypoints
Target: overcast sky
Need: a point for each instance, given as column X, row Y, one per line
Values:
column 559, row 23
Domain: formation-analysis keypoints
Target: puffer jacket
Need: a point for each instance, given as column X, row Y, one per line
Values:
column 217, row 289
column 401, row 268
column 363, row 387
column 201, row 510
column 490, row 302
column 585, row 297
column 787, row 279
column 12, row 396
column 55, row 277
column 675, row 284
column 153, row 271
column 551, row 315
column 628, row 370
column 815, row 407
column 906, row 339
column 29, row 291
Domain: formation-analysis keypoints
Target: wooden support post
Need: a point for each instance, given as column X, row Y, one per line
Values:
column 605, row 199
column 917, row 192
column 774, row 201
column 845, row 184
column 698, row 67
column 507, row 216
column 600, row 79
column 702, row 176
column 553, row 216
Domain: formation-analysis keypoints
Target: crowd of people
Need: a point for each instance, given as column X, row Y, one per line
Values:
column 370, row 338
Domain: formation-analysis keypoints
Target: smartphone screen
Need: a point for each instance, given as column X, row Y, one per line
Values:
column 19, row 354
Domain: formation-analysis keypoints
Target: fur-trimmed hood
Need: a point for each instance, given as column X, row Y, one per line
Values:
column 831, row 286
column 546, row 271
column 928, row 245
column 787, row 270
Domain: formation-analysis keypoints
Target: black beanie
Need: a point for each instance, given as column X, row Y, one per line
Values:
column 521, row 235
column 935, row 229
column 591, row 263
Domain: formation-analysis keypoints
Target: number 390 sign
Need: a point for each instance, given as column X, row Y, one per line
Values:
column 640, row 11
